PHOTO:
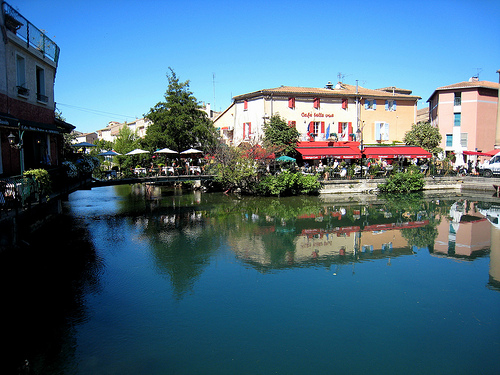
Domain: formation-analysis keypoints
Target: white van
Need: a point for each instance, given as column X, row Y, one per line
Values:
column 491, row 167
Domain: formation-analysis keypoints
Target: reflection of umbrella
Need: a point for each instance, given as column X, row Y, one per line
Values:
column 137, row 151
column 109, row 153
column 192, row 151
column 166, row 151
column 285, row 158
column 83, row 144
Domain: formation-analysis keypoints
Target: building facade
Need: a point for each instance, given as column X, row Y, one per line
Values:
column 465, row 114
column 30, row 134
column 138, row 127
column 338, row 112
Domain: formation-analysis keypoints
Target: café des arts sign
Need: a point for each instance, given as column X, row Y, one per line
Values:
column 319, row 114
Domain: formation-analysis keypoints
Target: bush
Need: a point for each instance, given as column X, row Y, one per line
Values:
column 288, row 183
column 403, row 182
column 42, row 178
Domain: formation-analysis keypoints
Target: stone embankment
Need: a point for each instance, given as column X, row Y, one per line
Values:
column 458, row 184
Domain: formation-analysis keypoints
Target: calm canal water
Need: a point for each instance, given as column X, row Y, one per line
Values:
column 147, row 280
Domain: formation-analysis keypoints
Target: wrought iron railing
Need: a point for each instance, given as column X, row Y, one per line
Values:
column 17, row 191
column 28, row 32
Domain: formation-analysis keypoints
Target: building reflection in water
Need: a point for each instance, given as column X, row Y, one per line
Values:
column 270, row 238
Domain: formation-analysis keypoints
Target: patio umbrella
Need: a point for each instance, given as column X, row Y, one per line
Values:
column 83, row 144
column 137, row 151
column 285, row 158
column 192, row 151
column 166, row 151
column 109, row 153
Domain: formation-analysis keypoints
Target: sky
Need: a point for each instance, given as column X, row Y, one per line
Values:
column 115, row 55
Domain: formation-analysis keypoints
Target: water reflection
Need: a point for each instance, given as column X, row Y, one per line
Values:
column 270, row 234
column 113, row 239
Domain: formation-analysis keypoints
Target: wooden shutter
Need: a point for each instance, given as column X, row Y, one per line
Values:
column 323, row 127
column 316, row 103
column 386, row 105
column 340, row 129
column 291, row 103
column 245, row 104
column 344, row 103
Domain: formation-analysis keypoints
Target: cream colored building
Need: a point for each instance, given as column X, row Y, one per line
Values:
column 337, row 112
column 110, row 132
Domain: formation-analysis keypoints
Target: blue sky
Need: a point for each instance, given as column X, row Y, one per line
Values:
column 115, row 54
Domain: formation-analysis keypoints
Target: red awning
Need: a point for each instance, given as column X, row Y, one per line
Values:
column 391, row 152
column 309, row 153
column 492, row 152
column 475, row 153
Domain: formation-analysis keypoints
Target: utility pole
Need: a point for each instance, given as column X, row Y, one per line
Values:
column 497, row 133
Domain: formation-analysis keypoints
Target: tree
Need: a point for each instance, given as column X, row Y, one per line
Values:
column 126, row 140
column 424, row 135
column 278, row 133
column 178, row 122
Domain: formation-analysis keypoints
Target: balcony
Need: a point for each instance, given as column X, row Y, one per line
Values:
column 29, row 33
column 22, row 91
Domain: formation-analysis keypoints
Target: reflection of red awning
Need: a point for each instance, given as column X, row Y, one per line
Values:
column 390, row 152
column 309, row 153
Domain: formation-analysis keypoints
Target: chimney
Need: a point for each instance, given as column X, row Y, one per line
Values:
column 329, row 85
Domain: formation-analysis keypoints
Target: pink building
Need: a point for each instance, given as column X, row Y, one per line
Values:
column 465, row 114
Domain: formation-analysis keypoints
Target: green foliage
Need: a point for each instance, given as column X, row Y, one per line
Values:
column 279, row 134
column 42, row 177
column 424, row 135
column 235, row 171
column 288, row 183
column 178, row 122
column 403, row 182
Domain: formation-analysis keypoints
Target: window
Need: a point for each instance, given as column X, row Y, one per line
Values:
column 40, row 85
column 449, row 140
column 463, row 139
column 316, row 127
column 458, row 98
column 291, row 103
column 381, row 131
column 21, row 76
column 458, row 118
column 344, row 130
column 245, row 105
column 370, row 104
column 390, row 105
column 247, row 130
column 316, row 103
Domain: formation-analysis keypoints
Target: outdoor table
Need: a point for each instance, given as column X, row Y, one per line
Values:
column 194, row 169
column 139, row 171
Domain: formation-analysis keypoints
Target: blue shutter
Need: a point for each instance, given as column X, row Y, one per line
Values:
column 394, row 105
column 366, row 103
column 374, row 104
column 377, row 131
column 386, row 105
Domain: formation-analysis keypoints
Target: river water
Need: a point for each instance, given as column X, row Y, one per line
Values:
column 148, row 280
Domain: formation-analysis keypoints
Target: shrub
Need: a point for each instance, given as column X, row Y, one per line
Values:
column 42, row 178
column 288, row 183
column 403, row 182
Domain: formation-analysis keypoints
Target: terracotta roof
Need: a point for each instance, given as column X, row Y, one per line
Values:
column 339, row 90
column 467, row 85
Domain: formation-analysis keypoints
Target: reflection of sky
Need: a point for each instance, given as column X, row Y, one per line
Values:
column 292, row 286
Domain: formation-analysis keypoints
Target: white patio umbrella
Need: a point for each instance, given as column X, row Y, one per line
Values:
column 137, row 151
column 166, row 151
column 192, row 151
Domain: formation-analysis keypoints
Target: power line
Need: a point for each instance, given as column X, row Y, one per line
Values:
column 94, row 111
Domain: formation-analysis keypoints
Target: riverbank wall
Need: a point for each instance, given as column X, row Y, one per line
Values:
column 457, row 184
